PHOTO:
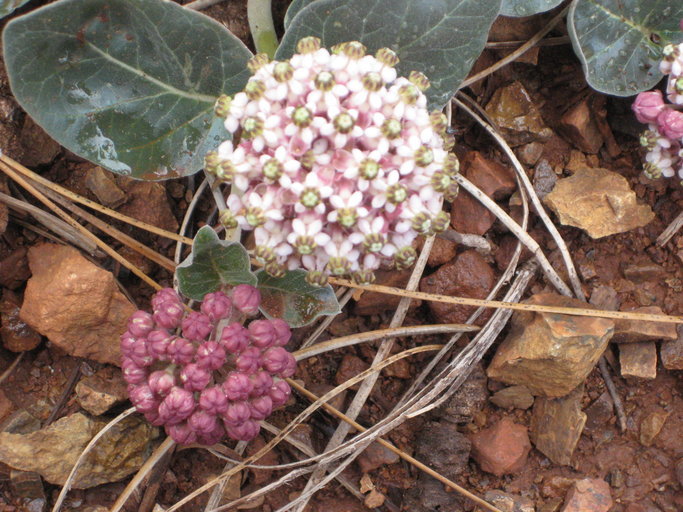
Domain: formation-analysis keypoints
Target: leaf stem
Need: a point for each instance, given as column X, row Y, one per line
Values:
column 260, row 16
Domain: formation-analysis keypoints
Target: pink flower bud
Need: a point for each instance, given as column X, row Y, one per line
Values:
column 210, row 355
column 260, row 407
column 670, row 123
column 248, row 360
column 196, row 326
column 194, row 378
column 158, row 342
column 213, row 400
column 178, row 405
column 263, row 333
column 132, row 373
column 181, row 351
column 275, row 360
column 161, row 382
column 262, row 382
column 143, row 398
column 127, row 342
column 236, row 413
column 182, row 433
column 154, row 418
column 648, row 105
column 245, row 431
column 169, row 314
column 279, row 393
column 246, row 299
column 139, row 353
column 202, row 422
column 284, row 333
column 235, row 338
column 140, row 324
column 212, row 437
column 216, row 306
column 237, row 386
column 291, row 367
column 165, row 295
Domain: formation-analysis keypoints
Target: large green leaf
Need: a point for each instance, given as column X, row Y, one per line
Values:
column 441, row 38
column 7, row 6
column 294, row 9
column 620, row 42
column 127, row 84
column 212, row 263
column 519, row 8
column 293, row 299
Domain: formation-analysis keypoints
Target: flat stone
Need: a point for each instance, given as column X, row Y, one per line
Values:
column 630, row 331
column 76, row 304
column 468, row 275
column 468, row 400
column 101, row 391
column 550, row 353
column 651, row 425
column 16, row 335
column 507, row 502
column 588, row 495
column 519, row 120
column 53, row 450
column 443, row 448
column 103, row 185
column 640, row 273
column 514, row 397
column 493, row 178
column 638, row 360
column 671, row 353
column 501, row 449
column 375, row 456
column 579, row 126
column 598, row 201
column 20, row 422
column 375, row 303
column 469, row 216
column 556, row 425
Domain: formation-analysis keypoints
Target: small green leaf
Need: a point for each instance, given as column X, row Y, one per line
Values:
column 127, row 84
column 440, row 38
column 212, row 263
column 294, row 8
column 620, row 42
column 520, row 8
column 293, row 299
column 7, row 6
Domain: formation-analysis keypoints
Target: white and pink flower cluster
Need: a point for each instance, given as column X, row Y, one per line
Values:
column 664, row 138
column 335, row 163
column 203, row 375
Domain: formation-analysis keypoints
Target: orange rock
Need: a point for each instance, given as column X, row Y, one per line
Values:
column 76, row 304
column 502, row 448
column 589, row 494
column 638, row 360
column 374, row 303
column 578, row 124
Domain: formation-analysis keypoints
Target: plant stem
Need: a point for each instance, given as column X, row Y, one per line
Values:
column 260, row 16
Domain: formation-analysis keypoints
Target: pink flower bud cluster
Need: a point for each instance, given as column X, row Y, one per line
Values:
column 664, row 138
column 203, row 375
column 335, row 163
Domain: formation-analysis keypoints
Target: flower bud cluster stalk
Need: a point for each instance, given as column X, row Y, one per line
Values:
column 204, row 375
column 335, row 162
column 664, row 138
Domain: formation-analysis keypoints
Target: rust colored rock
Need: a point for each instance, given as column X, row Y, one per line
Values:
column 638, row 360
column 469, row 216
column 39, row 147
column 513, row 111
column 376, row 456
column 16, row 335
column 598, row 201
column 349, row 367
column 468, row 275
column 556, row 425
column 442, row 252
column 374, row 303
column 550, row 353
column 589, row 494
column 101, row 391
column 14, row 269
column 671, row 353
column 629, row 331
column 578, row 125
column 493, row 178
column 76, row 304
column 103, row 185
column 651, row 425
column 148, row 203
column 501, row 449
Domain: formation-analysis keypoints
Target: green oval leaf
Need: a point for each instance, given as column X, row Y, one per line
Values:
column 294, row 9
column 127, row 84
column 7, row 6
column 520, row 8
column 212, row 263
column 440, row 38
column 293, row 299
column 614, row 40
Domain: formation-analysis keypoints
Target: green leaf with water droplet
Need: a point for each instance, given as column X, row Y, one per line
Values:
column 620, row 42
column 7, row 6
column 440, row 38
column 213, row 263
column 293, row 299
column 127, row 84
column 519, row 8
